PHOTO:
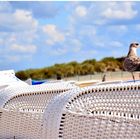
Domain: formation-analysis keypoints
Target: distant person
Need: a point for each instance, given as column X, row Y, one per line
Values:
column 104, row 78
column 132, row 61
column 58, row 77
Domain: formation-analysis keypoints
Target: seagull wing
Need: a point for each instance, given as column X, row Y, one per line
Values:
column 131, row 64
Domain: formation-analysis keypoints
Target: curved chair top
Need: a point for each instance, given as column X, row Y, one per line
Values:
column 11, row 92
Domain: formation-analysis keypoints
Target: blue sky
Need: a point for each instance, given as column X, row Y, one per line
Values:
column 42, row 33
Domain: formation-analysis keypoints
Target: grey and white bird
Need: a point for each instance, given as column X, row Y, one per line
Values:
column 132, row 61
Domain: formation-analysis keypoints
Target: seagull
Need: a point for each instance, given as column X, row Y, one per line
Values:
column 132, row 61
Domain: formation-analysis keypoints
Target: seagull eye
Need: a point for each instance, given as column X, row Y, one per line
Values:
column 137, row 44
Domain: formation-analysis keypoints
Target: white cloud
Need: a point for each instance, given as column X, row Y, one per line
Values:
column 17, row 32
column 81, row 11
column 54, row 35
column 120, row 11
column 23, row 48
column 20, row 20
column 100, row 13
column 24, row 19
column 22, row 16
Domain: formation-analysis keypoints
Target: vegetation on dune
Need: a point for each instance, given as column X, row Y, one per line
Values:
column 73, row 68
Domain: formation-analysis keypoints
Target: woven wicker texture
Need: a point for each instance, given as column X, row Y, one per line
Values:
column 103, row 111
column 22, row 109
column 19, row 125
column 81, row 126
column 106, row 111
column 32, row 98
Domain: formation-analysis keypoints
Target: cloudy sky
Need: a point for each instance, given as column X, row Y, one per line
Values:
column 40, row 34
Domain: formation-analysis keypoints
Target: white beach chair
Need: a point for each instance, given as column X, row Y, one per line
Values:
column 105, row 111
column 22, row 108
column 32, row 98
column 8, row 78
column 97, row 112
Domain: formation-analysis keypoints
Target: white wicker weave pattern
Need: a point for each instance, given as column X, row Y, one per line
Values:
column 106, row 111
column 19, row 125
column 96, row 126
column 22, row 108
column 32, row 98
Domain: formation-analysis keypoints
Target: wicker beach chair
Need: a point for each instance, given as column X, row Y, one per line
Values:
column 32, row 98
column 8, row 78
column 106, row 111
column 22, row 108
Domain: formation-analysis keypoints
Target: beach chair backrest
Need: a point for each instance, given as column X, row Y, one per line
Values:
column 105, row 111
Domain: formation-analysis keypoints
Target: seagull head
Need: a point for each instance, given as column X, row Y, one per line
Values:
column 134, row 45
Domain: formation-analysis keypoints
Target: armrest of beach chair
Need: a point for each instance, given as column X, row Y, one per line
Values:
column 106, row 111
column 31, row 98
